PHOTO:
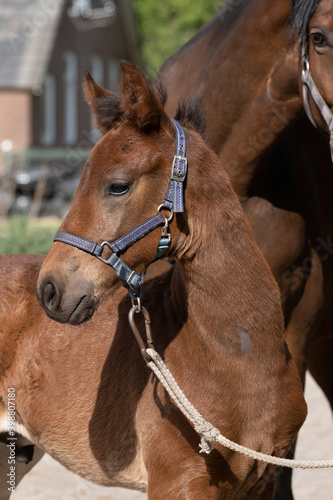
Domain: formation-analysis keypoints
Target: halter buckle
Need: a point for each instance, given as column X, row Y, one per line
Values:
column 134, row 286
column 178, row 174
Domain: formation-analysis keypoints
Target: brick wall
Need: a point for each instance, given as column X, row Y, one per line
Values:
column 15, row 119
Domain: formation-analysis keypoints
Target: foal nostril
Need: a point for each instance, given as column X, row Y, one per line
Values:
column 50, row 297
column 49, row 294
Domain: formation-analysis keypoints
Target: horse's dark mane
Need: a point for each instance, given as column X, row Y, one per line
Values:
column 301, row 13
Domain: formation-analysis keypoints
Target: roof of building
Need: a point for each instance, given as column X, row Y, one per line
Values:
column 27, row 34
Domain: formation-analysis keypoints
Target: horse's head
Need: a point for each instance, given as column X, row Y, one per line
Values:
column 315, row 26
column 123, row 183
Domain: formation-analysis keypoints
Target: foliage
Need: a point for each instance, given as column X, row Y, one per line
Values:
column 165, row 27
column 19, row 235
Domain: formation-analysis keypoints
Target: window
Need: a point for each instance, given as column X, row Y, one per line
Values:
column 97, row 72
column 70, row 98
column 49, row 111
column 113, row 74
column 97, row 69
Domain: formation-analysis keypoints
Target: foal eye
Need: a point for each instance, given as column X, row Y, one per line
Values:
column 118, row 189
column 318, row 39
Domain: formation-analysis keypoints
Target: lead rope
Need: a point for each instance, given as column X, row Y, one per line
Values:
column 208, row 432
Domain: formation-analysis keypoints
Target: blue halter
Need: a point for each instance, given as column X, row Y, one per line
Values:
column 173, row 202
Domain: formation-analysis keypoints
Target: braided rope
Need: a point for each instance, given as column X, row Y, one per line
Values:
column 208, row 431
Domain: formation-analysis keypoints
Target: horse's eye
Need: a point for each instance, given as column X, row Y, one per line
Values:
column 118, row 189
column 318, row 39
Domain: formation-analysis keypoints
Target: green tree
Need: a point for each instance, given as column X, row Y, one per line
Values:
column 165, row 26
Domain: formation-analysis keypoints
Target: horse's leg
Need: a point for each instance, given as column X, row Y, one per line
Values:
column 178, row 488
column 283, row 478
column 266, row 494
column 264, row 489
column 21, row 469
column 320, row 356
column 184, row 474
column 297, row 336
column 281, row 237
column 304, row 316
column 204, row 487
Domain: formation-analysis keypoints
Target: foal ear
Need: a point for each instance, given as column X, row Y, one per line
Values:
column 105, row 105
column 139, row 100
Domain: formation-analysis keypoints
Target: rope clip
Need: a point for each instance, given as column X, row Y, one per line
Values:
column 136, row 309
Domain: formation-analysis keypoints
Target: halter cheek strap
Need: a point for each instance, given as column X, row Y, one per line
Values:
column 173, row 201
column 174, row 194
column 309, row 86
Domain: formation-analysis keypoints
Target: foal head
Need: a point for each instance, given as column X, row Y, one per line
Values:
column 124, row 182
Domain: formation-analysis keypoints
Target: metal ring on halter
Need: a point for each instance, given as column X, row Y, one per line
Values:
column 105, row 243
column 306, row 66
column 136, row 304
column 161, row 207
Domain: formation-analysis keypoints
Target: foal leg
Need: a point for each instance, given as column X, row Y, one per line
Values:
column 264, row 491
column 177, row 488
column 176, row 470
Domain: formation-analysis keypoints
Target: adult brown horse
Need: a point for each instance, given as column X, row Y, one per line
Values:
column 82, row 392
column 246, row 64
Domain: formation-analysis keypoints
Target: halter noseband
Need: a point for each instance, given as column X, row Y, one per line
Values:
column 173, row 202
column 310, row 86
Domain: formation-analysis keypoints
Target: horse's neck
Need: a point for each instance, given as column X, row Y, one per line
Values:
column 271, row 106
column 260, row 81
column 247, row 72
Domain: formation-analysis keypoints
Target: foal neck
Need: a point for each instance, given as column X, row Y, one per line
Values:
column 229, row 286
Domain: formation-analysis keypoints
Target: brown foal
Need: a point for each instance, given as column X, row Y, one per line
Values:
column 216, row 320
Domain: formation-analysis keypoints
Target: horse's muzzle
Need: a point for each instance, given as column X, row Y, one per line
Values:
column 72, row 306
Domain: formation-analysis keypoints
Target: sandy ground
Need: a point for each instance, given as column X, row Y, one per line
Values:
column 50, row 481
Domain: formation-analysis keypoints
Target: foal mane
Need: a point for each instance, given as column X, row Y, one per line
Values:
column 190, row 113
column 190, row 110
column 301, row 13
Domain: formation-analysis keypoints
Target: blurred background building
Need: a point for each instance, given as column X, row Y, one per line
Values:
column 46, row 129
